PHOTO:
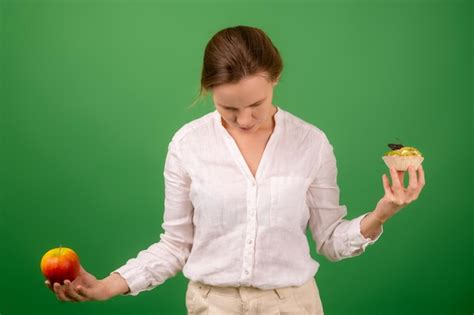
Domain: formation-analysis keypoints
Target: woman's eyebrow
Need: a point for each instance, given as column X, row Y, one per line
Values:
column 249, row 105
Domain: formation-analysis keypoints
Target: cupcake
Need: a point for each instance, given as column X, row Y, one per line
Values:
column 401, row 157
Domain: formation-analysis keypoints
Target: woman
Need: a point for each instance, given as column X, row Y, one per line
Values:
column 242, row 185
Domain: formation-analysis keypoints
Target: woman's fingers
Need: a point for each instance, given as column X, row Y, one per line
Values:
column 68, row 292
column 83, row 288
column 416, row 183
column 396, row 193
column 395, row 180
column 401, row 178
column 84, row 292
column 421, row 176
column 413, row 182
column 60, row 292
column 71, row 293
column 399, row 196
column 386, row 185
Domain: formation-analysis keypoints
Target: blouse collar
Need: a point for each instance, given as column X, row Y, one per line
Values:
column 278, row 119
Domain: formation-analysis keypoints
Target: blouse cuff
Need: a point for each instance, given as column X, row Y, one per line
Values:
column 135, row 278
column 358, row 242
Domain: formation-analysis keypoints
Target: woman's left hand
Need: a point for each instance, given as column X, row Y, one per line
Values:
column 397, row 196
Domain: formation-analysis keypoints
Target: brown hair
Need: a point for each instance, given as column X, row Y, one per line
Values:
column 235, row 53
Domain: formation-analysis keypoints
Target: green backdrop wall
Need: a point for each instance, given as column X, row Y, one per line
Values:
column 93, row 91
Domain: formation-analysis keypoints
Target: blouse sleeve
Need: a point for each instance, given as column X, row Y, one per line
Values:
column 164, row 259
column 336, row 238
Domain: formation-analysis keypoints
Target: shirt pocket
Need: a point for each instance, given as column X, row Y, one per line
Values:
column 288, row 202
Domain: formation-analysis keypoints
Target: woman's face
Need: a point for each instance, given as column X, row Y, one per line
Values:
column 246, row 106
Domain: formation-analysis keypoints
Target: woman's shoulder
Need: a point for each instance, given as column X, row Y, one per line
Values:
column 301, row 125
column 194, row 127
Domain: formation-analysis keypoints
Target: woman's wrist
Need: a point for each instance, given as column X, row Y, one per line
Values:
column 115, row 285
column 370, row 226
column 384, row 211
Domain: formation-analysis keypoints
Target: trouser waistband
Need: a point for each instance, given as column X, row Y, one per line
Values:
column 247, row 293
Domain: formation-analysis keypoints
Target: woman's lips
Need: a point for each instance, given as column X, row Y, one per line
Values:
column 246, row 128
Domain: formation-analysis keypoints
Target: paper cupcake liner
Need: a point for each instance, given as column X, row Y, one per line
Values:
column 401, row 163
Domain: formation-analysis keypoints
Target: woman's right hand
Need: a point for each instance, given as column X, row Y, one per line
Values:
column 85, row 287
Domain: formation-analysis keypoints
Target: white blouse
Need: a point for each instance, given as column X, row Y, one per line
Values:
column 224, row 227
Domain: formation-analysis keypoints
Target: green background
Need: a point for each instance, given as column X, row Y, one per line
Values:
column 93, row 91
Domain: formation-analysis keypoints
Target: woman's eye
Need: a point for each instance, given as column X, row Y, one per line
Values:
column 235, row 109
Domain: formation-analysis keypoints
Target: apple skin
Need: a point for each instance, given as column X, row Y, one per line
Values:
column 59, row 264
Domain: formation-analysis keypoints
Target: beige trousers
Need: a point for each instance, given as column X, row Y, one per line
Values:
column 203, row 299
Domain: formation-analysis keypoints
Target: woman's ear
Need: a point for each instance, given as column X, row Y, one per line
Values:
column 276, row 81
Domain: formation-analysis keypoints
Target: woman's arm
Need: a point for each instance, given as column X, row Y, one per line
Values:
column 396, row 197
column 371, row 225
column 115, row 285
column 164, row 259
column 336, row 237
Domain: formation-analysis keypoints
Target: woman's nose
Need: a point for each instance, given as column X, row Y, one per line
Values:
column 245, row 121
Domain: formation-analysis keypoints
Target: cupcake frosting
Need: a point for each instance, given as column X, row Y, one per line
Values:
column 404, row 151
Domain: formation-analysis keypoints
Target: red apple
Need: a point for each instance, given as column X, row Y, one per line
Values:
column 59, row 264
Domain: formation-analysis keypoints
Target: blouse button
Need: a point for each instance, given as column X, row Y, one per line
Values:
column 249, row 241
column 246, row 272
